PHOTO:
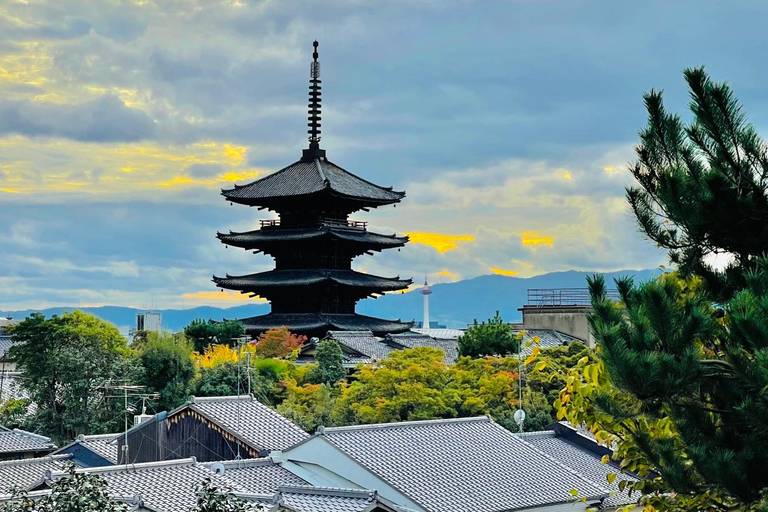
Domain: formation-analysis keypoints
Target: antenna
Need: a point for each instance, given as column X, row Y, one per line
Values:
column 128, row 391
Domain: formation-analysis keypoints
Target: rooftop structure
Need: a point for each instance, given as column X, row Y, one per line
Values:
column 313, row 288
column 426, row 291
column 92, row 451
column 460, row 465
column 26, row 472
column 211, row 429
column 20, row 444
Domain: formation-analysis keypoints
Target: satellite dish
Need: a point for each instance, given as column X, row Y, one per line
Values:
column 519, row 417
column 218, row 468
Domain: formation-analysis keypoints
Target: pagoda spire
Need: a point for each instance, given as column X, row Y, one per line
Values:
column 314, row 112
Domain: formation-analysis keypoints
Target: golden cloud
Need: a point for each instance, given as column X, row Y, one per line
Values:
column 222, row 296
column 120, row 168
column 441, row 242
column 502, row 272
column 536, row 239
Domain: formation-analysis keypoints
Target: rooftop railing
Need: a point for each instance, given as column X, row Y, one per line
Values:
column 542, row 297
column 353, row 224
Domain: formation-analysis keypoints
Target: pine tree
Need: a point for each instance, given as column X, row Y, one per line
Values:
column 703, row 185
column 683, row 372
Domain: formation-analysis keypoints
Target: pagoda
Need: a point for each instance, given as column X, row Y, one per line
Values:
column 313, row 288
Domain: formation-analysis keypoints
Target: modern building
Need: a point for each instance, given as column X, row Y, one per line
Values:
column 148, row 321
column 313, row 288
column 560, row 309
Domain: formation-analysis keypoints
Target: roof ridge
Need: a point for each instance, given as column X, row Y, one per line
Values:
column 91, row 437
column 26, row 433
column 417, row 423
column 191, row 461
column 320, row 170
column 328, row 491
column 243, row 463
column 47, row 458
column 197, row 399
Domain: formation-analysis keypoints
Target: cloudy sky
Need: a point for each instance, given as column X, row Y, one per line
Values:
column 509, row 124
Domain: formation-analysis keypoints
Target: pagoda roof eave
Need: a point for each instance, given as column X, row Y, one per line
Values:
column 305, row 178
column 262, row 238
column 275, row 279
column 321, row 323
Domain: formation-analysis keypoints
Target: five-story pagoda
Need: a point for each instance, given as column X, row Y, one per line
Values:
column 313, row 288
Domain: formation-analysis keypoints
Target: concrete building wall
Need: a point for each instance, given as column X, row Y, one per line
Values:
column 568, row 319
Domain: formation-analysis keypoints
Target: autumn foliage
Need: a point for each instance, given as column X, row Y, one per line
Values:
column 277, row 342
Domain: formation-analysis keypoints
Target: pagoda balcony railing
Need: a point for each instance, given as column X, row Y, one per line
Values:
column 543, row 297
column 337, row 223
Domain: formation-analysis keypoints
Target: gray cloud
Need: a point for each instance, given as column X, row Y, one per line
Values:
column 105, row 119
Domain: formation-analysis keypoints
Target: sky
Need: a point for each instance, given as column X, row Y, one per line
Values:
column 510, row 124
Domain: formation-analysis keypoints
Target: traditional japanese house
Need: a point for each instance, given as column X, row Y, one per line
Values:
column 313, row 288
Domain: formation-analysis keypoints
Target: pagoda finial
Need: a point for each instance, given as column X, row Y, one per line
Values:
column 314, row 150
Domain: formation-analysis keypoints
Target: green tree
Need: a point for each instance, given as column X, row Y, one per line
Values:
column 223, row 379
column 491, row 338
column 679, row 384
column 75, row 492
column 203, row 333
column 702, row 186
column 66, row 361
column 213, row 498
column 168, row 368
column 330, row 364
column 309, row 406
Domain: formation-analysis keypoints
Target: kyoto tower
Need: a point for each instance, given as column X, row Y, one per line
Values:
column 426, row 291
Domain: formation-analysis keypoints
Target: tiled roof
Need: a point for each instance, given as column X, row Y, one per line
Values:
column 309, row 177
column 5, row 344
column 304, row 322
column 25, row 472
column 324, row 499
column 262, row 238
column 587, row 463
column 10, row 386
column 310, row 277
column 256, row 475
column 460, row 465
column 168, row 486
column 362, row 342
column 104, row 445
column 413, row 340
column 250, row 420
column 20, row 441
column 442, row 334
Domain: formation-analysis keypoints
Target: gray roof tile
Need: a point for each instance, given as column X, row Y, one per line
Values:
column 309, row 177
column 5, row 344
column 260, row 476
column 168, row 486
column 252, row 421
column 324, row 499
column 460, row 465
column 26, row 472
column 410, row 339
column 104, row 445
column 585, row 462
column 21, row 441
column 362, row 342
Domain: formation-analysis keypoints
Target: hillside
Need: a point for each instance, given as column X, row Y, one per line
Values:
column 453, row 304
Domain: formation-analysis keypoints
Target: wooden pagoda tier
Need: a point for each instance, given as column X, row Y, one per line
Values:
column 318, row 324
column 313, row 288
column 312, row 189
column 326, row 238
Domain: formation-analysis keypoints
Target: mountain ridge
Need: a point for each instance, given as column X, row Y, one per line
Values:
column 452, row 304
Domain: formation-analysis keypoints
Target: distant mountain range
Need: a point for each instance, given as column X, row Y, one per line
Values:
column 451, row 304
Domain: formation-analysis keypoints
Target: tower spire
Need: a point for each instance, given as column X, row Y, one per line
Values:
column 315, row 101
